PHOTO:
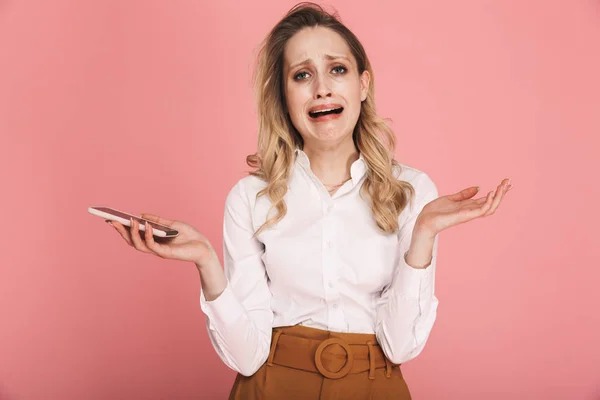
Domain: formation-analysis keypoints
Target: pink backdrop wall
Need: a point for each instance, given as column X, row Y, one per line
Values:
column 146, row 106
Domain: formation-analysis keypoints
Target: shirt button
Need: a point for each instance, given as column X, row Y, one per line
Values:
column 330, row 245
column 330, row 284
column 335, row 305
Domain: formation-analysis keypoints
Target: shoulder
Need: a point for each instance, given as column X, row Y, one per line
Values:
column 245, row 190
column 424, row 186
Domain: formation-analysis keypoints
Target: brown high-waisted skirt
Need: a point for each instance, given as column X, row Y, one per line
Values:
column 307, row 363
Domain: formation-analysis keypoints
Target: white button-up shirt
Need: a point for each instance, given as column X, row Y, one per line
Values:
column 325, row 265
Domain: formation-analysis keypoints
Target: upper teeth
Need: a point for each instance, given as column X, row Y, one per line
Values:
column 329, row 109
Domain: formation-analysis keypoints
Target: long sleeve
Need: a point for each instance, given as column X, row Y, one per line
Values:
column 239, row 321
column 407, row 308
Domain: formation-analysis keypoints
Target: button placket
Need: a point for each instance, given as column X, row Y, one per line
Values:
column 330, row 260
column 327, row 207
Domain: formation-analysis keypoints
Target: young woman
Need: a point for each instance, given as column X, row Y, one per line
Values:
column 329, row 244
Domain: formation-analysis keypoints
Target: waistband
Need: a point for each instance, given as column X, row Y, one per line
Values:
column 332, row 354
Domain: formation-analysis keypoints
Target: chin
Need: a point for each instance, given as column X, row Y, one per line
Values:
column 331, row 132
column 332, row 137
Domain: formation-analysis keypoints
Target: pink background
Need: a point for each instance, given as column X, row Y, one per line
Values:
column 146, row 106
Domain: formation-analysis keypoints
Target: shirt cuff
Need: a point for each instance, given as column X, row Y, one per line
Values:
column 223, row 310
column 410, row 280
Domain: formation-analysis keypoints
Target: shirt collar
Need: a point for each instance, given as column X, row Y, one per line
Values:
column 357, row 169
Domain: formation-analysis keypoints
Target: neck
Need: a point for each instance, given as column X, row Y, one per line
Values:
column 331, row 164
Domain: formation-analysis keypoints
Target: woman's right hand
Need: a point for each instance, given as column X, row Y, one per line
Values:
column 189, row 245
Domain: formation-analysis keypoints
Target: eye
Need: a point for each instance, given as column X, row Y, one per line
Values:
column 296, row 77
column 340, row 67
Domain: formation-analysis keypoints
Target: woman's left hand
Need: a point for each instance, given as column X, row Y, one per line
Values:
column 458, row 208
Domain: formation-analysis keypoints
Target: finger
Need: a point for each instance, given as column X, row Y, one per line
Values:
column 499, row 194
column 157, row 219
column 138, row 243
column 482, row 200
column 480, row 208
column 464, row 194
column 474, row 210
column 122, row 231
column 158, row 249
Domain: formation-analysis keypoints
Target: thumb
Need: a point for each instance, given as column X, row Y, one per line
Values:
column 157, row 219
column 464, row 194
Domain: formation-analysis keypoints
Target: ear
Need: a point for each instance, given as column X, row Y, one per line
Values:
column 365, row 80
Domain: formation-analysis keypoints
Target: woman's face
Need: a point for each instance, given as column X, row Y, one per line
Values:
column 320, row 73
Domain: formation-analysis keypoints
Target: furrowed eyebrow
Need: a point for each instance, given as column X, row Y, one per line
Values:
column 327, row 56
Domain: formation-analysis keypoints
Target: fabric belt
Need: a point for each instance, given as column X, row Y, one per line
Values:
column 332, row 354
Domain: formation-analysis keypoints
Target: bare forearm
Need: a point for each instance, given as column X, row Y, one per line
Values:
column 212, row 278
column 421, row 248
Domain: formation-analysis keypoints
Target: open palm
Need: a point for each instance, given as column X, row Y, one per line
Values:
column 458, row 208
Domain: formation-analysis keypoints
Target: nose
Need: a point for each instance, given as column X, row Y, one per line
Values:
column 322, row 88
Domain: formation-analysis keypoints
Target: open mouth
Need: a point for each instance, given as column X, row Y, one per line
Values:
column 321, row 113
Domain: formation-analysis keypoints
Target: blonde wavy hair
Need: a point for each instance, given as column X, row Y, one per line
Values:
column 278, row 138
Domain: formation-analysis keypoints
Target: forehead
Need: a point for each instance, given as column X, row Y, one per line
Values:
column 314, row 43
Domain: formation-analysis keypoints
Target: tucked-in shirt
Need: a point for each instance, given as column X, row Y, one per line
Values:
column 325, row 265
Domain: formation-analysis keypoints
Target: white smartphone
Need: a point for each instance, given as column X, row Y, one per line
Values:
column 123, row 217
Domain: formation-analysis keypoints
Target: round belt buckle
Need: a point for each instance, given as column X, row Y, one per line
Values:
column 345, row 369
